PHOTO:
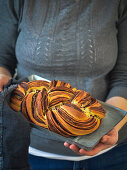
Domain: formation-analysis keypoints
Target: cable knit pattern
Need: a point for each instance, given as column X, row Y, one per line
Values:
column 60, row 39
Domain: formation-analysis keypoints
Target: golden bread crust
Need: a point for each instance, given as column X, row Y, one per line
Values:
column 58, row 106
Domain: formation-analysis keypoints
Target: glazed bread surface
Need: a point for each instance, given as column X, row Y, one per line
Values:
column 58, row 106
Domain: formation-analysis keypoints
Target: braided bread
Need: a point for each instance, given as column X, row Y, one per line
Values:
column 58, row 106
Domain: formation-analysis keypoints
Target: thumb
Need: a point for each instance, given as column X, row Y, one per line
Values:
column 105, row 139
column 109, row 140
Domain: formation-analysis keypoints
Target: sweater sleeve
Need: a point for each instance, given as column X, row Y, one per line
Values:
column 9, row 18
column 118, row 76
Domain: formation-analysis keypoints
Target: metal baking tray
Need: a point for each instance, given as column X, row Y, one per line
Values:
column 48, row 141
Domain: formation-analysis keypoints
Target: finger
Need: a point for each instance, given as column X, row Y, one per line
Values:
column 104, row 139
column 107, row 141
column 74, row 148
column 111, row 138
column 66, row 144
column 99, row 147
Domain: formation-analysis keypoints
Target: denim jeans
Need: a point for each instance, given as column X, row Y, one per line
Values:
column 115, row 159
column 14, row 135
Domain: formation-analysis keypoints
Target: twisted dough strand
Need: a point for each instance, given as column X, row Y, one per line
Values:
column 58, row 106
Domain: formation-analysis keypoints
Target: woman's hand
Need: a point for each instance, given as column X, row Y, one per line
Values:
column 110, row 138
column 107, row 141
column 5, row 76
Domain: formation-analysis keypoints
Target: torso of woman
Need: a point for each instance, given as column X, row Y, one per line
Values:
column 71, row 41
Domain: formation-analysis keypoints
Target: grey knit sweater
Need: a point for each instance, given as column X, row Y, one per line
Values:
column 83, row 43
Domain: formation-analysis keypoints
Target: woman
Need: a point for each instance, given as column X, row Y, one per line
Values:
column 81, row 42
